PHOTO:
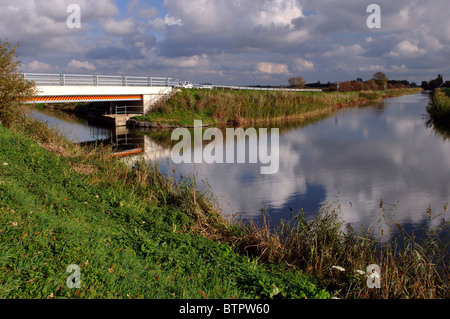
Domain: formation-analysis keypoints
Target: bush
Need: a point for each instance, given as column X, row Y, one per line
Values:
column 14, row 89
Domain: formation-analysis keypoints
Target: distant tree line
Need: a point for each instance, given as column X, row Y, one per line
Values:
column 435, row 83
column 379, row 81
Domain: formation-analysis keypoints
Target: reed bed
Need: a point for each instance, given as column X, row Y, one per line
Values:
column 250, row 107
column 439, row 108
column 438, row 111
column 333, row 252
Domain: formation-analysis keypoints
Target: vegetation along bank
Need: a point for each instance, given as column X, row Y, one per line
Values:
column 439, row 108
column 218, row 107
column 439, row 112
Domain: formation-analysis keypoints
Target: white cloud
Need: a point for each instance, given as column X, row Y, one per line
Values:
column 148, row 13
column 406, row 49
column 81, row 65
column 278, row 13
column 265, row 20
column 372, row 68
column 187, row 62
column 399, row 68
column 272, row 68
column 303, row 65
column 123, row 27
column 345, row 51
column 37, row 66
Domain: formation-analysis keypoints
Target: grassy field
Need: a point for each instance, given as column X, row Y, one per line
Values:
column 133, row 233
column 249, row 107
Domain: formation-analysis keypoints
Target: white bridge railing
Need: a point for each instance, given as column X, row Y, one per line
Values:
column 42, row 79
column 257, row 88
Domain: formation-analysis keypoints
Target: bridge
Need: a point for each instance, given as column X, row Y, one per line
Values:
column 128, row 95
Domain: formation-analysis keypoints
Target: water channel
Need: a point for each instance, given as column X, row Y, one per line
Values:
column 378, row 155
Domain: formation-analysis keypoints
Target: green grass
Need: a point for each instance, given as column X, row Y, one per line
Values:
column 446, row 91
column 131, row 240
column 439, row 109
column 248, row 107
column 177, row 117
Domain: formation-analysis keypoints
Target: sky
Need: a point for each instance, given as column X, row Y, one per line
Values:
column 240, row 42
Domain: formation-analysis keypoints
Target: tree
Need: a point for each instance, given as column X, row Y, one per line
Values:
column 370, row 85
column 437, row 82
column 446, row 84
column 14, row 89
column 358, row 86
column 380, row 78
column 297, row 82
column 424, row 85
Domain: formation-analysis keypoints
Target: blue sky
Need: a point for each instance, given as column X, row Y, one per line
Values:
column 232, row 42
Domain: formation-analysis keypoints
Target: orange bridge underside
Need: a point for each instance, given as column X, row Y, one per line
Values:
column 86, row 98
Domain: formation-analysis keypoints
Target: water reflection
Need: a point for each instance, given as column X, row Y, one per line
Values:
column 359, row 156
column 75, row 129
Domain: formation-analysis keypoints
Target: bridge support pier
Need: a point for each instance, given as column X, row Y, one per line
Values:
column 147, row 102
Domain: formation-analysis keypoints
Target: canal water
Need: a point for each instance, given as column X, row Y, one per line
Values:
column 373, row 159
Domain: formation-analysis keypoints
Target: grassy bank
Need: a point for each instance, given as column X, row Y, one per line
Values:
column 249, row 107
column 133, row 232
column 138, row 234
column 439, row 108
column 439, row 112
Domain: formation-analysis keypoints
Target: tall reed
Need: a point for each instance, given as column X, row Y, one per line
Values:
column 332, row 251
column 247, row 107
column 439, row 108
